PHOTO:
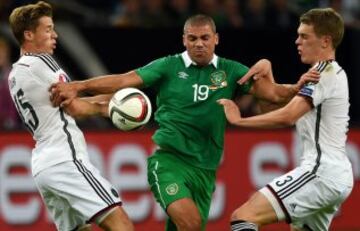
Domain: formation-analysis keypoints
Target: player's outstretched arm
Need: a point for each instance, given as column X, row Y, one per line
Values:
column 283, row 117
column 261, row 69
column 280, row 94
column 102, row 99
column 80, row 108
column 63, row 93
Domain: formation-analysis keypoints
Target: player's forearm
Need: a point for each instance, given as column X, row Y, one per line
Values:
column 110, row 83
column 275, row 119
column 80, row 109
column 265, row 106
column 285, row 92
column 266, row 90
column 100, row 85
column 103, row 99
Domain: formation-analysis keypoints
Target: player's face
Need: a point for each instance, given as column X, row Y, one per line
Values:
column 309, row 45
column 200, row 42
column 43, row 39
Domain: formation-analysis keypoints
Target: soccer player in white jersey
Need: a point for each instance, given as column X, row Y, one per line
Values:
column 73, row 190
column 308, row 196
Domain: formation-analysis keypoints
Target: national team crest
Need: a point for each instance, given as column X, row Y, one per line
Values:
column 172, row 189
column 218, row 79
column 64, row 78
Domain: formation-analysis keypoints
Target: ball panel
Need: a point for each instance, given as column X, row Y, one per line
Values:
column 134, row 106
column 129, row 109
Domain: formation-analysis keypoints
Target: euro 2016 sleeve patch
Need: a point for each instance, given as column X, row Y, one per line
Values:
column 307, row 90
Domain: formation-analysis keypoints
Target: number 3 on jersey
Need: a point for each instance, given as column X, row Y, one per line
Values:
column 31, row 123
column 201, row 92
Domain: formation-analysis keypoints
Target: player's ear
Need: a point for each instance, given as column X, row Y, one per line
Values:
column 28, row 35
column 184, row 43
column 216, row 39
column 326, row 41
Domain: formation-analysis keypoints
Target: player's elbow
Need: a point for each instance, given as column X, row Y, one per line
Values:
column 265, row 62
column 77, row 115
column 288, row 120
column 75, row 110
column 277, row 99
column 287, row 123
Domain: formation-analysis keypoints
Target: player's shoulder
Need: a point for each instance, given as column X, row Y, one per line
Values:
column 171, row 59
column 328, row 67
column 39, row 60
column 331, row 74
column 230, row 63
column 174, row 57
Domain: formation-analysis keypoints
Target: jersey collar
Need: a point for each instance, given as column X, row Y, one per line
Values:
column 187, row 60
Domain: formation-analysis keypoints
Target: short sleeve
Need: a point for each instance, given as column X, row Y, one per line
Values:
column 240, row 71
column 320, row 91
column 153, row 71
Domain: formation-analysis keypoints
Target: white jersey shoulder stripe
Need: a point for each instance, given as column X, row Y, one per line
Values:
column 48, row 60
column 308, row 88
column 320, row 67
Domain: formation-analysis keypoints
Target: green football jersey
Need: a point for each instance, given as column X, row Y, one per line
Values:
column 191, row 122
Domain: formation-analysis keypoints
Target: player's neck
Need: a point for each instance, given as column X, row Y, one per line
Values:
column 28, row 48
column 330, row 56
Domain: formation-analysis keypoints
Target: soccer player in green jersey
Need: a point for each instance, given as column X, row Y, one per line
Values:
column 182, row 171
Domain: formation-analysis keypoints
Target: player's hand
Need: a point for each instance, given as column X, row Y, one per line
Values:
column 61, row 94
column 311, row 76
column 232, row 111
column 261, row 69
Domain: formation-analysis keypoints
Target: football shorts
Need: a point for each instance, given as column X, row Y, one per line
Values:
column 75, row 193
column 306, row 200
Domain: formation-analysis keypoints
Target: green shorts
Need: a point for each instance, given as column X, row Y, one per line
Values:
column 171, row 179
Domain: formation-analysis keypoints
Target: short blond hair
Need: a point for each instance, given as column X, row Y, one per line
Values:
column 27, row 18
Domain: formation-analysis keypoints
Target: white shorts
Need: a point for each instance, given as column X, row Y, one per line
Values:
column 75, row 193
column 306, row 200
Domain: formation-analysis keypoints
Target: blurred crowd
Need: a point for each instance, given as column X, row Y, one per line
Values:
column 254, row 14
column 172, row 13
column 226, row 13
column 9, row 120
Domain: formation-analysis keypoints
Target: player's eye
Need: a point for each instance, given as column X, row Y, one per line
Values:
column 205, row 38
column 303, row 36
column 192, row 38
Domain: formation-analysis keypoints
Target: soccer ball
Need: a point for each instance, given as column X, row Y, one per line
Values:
column 129, row 109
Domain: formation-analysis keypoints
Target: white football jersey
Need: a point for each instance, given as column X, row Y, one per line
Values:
column 323, row 130
column 58, row 139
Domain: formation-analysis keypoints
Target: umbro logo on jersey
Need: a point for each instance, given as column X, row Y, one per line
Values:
column 182, row 75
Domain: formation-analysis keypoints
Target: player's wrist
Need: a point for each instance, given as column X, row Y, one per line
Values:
column 79, row 86
column 104, row 110
column 296, row 87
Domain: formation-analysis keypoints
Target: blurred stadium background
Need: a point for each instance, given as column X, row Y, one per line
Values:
column 113, row 36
